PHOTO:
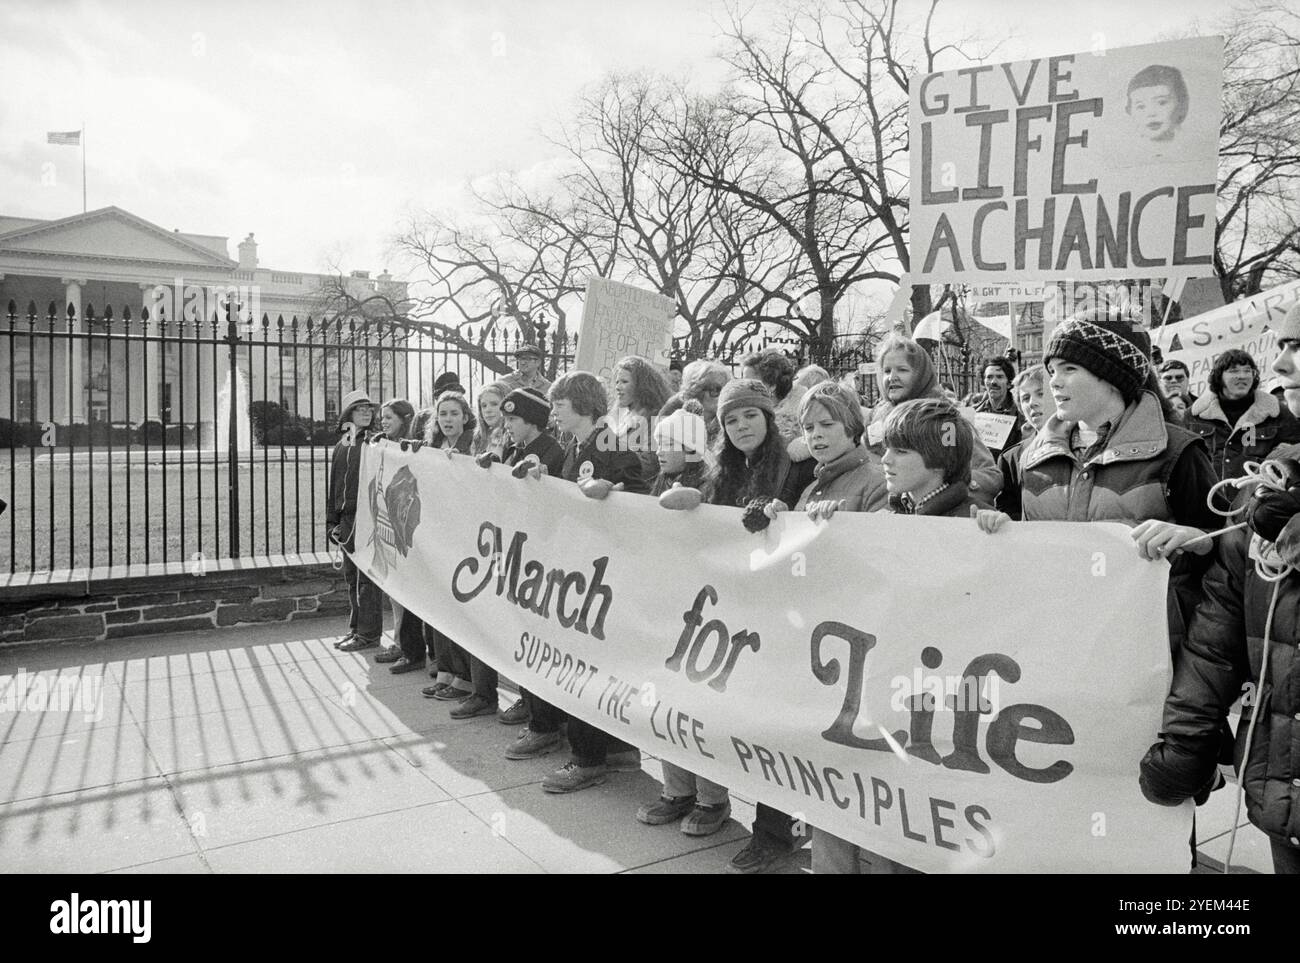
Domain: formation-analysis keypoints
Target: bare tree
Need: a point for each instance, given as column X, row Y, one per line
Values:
column 1258, row 233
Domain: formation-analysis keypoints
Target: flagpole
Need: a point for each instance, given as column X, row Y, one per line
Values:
column 83, row 167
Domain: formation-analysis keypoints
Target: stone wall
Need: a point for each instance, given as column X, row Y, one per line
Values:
column 93, row 609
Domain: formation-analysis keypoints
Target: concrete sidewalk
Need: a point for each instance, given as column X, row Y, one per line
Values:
column 263, row 749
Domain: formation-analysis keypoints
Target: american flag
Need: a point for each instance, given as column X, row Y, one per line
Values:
column 72, row 137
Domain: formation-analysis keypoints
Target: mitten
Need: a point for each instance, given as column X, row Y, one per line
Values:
column 679, row 498
column 1269, row 509
column 754, row 518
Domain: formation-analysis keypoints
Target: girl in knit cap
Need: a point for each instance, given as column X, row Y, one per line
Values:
column 751, row 462
column 907, row 373
column 681, row 442
column 751, row 459
column 775, row 370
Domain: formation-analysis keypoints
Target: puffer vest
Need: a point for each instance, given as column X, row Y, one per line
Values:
column 1127, row 481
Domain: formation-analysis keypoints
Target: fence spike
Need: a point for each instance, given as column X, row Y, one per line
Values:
column 13, row 310
column 31, row 310
column 144, row 314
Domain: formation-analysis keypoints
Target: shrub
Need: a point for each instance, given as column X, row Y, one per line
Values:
column 264, row 417
column 19, row 434
column 288, row 435
column 150, row 433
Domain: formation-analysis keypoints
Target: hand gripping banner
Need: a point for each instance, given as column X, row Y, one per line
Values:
column 958, row 702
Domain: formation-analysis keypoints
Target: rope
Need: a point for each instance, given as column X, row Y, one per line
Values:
column 1269, row 567
column 1250, row 730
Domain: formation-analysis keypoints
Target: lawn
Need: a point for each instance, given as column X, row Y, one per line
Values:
column 73, row 514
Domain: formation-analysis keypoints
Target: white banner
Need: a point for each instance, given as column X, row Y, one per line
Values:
column 1089, row 166
column 619, row 320
column 1245, row 324
column 955, row 701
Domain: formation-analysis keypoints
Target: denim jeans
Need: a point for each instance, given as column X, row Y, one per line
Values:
column 411, row 637
column 484, row 679
column 542, row 716
column 366, row 618
column 591, row 745
column 453, row 663
column 679, row 782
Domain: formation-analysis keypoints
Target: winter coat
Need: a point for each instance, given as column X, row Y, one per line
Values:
column 344, row 481
column 1148, row 470
column 1224, row 649
column 852, row 479
column 953, row 502
column 692, row 476
column 1008, row 499
column 548, row 451
column 985, row 479
column 493, row 440
column 1266, row 424
column 600, row 457
column 791, row 479
column 464, row 444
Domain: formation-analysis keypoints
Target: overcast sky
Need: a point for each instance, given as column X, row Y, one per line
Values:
column 316, row 125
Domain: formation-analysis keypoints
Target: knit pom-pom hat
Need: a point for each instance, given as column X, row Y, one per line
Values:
column 744, row 393
column 684, row 429
column 1108, row 346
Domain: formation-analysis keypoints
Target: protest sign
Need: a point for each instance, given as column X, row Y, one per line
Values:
column 1001, row 291
column 1088, row 165
column 620, row 320
column 993, row 429
column 1245, row 324
column 943, row 715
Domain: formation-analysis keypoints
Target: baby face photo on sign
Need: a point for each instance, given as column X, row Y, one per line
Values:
column 1163, row 114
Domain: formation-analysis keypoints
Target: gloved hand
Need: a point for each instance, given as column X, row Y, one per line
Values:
column 1165, row 773
column 485, row 459
column 1268, row 509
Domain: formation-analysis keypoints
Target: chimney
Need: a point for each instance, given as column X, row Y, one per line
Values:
column 362, row 275
column 248, row 254
column 385, row 276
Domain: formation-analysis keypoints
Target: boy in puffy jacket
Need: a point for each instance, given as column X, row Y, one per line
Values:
column 1230, row 642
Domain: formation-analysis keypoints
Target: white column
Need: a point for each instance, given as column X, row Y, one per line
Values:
column 153, row 386
column 75, row 363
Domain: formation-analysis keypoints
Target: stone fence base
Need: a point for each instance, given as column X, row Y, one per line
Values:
column 86, row 605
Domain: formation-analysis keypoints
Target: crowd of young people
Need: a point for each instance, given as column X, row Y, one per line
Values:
column 1098, row 436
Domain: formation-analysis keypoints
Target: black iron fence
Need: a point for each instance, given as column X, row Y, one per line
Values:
column 126, row 439
column 138, row 440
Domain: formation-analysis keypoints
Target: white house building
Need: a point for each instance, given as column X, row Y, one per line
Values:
column 112, row 259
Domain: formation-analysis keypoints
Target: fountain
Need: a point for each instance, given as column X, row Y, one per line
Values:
column 215, row 442
column 242, row 424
